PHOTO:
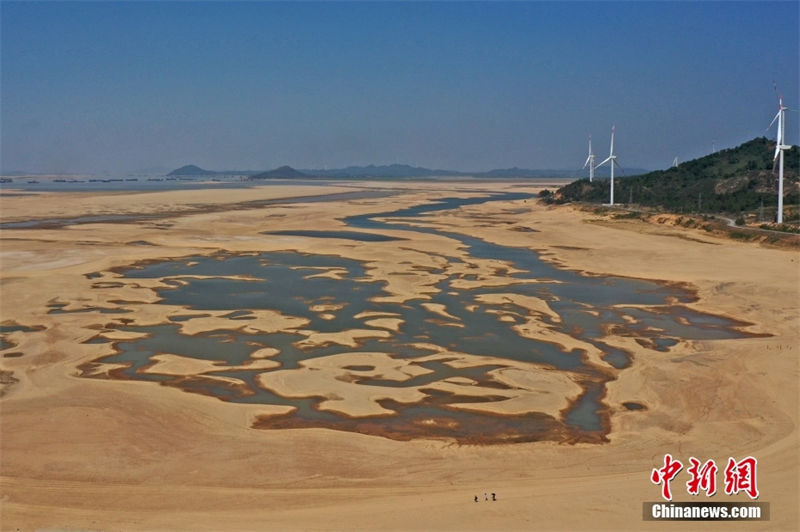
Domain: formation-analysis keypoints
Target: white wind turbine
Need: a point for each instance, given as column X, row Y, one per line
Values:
column 590, row 161
column 779, row 149
column 612, row 160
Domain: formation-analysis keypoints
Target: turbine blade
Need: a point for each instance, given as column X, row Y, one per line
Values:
column 774, row 119
column 604, row 162
column 611, row 152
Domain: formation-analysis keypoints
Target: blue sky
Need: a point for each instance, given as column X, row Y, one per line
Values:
column 125, row 86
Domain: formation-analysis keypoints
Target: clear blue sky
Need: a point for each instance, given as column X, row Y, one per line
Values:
column 92, row 87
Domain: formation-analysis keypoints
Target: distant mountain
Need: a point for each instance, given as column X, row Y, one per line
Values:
column 384, row 171
column 390, row 171
column 404, row 170
column 524, row 172
column 284, row 172
column 731, row 180
column 191, row 169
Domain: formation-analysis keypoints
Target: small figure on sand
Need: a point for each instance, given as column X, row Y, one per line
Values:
column 494, row 496
column 476, row 498
column 485, row 496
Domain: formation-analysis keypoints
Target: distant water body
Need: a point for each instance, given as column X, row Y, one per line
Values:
column 154, row 183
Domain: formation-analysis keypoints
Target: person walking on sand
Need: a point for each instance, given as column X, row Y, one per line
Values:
column 494, row 496
column 476, row 498
column 485, row 496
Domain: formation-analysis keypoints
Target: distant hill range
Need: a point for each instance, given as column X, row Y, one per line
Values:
column 404, row 170
column 382, row 171
column 191, row 169
column 284, row 172
column 732, row 180
column 391, row 171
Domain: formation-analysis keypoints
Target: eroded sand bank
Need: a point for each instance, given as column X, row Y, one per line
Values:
column 107, row 454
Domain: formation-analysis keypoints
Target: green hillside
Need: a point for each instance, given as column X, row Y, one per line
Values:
column 728, row 181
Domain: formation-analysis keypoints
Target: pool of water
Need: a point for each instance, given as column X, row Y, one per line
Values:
column 346, row 298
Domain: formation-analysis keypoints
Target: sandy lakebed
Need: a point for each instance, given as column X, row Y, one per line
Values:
column 90, row 440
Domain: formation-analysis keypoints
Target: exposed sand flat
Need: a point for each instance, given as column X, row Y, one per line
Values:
column 122, row 335
column 535, row 328
column 338, row 377
column 439, row 309
column 547, row 392
column 168, row 364
column 329, row 377
column 333, row 273
column 324, row 307
column 79, row 453
column 46, row 205
column 373, row 314
column 263, row 321
column 533, row 304
column 393, row 324
column 350, row 338
column 264, row 352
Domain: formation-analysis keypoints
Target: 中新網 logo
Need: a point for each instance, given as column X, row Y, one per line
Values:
column 738, row 476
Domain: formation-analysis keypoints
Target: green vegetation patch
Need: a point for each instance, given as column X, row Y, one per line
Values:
column 733, row 180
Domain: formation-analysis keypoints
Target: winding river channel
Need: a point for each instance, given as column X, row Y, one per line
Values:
column 456, row 350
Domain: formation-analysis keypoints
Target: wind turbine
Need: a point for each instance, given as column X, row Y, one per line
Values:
column 612, row 160
column 779, row 149
column 675, row 162
column 590, row 161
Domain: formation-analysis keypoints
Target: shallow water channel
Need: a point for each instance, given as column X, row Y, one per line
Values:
column 463, row 346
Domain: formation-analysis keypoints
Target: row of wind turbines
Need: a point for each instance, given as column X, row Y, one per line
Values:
column 780, row 147
column 611, row 160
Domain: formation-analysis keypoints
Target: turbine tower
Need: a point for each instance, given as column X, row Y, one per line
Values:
column 612, row 160
column 779, row 149
column 590, row 161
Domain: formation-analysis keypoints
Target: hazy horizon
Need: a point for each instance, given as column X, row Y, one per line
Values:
column 124, row 87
